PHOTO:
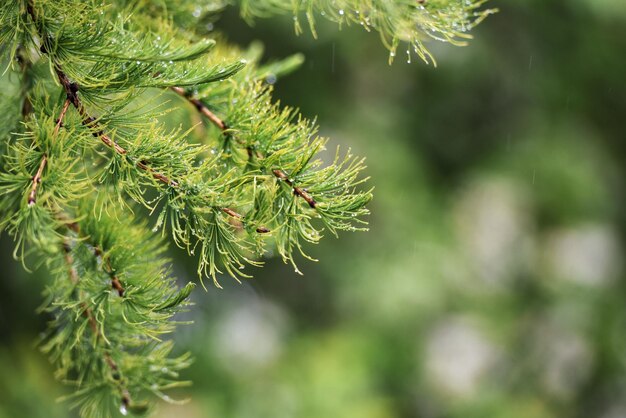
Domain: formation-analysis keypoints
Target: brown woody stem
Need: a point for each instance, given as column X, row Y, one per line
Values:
column 66, row 106
column 303, row 193
column 71, row 89
column 232, row 213
column 202, row 108
column 32, row 196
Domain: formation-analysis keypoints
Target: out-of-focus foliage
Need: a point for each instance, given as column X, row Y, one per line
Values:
column 396, row 21
column 492, row 280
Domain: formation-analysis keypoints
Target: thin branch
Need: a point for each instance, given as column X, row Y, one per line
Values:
column 116, row 283
column 32, row 196
column 66, row 105
column 232, row 213
column 303, row 193
column 280, row 174
column 93, row 324
column 71, row 90
column 202, row 108
column 239, row 217
column 215, row 120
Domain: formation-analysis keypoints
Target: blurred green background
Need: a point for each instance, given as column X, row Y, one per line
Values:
column 492, row 280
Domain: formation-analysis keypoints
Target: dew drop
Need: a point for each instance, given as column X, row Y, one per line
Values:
column 341, row 12
column 123, row 410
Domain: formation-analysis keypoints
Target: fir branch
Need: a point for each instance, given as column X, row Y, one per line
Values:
column 125, row 398
column 125, row 330
column 71, row 90
column 279, row 174
column 279, row 145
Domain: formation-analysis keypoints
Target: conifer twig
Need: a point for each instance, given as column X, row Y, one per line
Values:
column 232, row 213
column 303, row 193
column 280, row 174
column 32, row 196
column 66, row 105
column 71, row 90
column 88, row 313
column 202, row 108
column 116, row 283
